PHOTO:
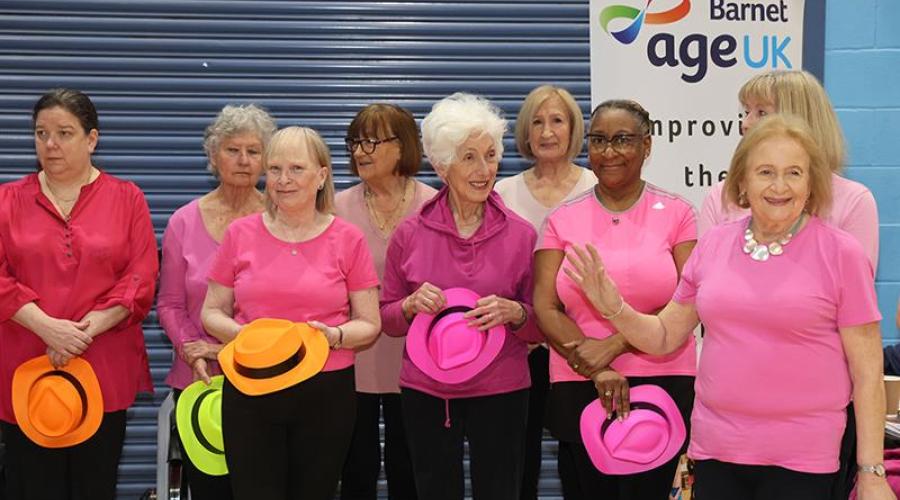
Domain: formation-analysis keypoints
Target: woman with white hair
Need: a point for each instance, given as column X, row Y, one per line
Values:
column 234, row 144
column 465, row 237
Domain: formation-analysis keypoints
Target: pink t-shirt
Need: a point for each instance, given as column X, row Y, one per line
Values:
column 853, row 209
column 188, row 251
column 773, row 380
column 637, row 253
column 377, row 367
column 304, row 281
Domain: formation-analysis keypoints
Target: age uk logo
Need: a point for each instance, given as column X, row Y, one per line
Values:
column 639, row 17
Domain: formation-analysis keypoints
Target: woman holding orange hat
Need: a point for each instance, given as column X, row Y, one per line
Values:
column 298, row 263
column 77, row 274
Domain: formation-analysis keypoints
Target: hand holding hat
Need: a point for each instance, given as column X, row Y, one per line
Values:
column 64, row 336
column 613, row 393
column 493, row 311
column 427, row 299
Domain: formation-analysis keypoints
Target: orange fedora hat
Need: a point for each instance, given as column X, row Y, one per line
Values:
column 269, row 355
column 57, row 408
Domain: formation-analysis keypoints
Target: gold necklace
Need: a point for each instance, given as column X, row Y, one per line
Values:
column 390, row 217
column 59, row 201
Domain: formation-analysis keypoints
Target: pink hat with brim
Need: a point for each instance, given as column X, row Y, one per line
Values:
column 445, row 348
column 651, row 435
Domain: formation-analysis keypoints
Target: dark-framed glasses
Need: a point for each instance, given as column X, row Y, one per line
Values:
column 619, row 142
column 368, row 145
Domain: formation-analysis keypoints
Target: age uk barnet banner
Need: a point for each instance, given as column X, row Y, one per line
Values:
column 684, row 61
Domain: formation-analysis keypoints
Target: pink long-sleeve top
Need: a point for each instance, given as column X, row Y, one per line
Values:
column 496, row 259
column 188, row 251
column 104, row 255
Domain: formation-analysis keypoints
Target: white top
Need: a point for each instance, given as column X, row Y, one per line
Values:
column 518, row 198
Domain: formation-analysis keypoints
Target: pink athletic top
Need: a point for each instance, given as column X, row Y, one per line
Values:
column 188, row 252
column 377, row 367
column 853, row 209
column 304, row 281
column 637, row 253
column 773, row 380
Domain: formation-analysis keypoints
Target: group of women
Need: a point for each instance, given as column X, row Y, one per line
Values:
column 593, row 278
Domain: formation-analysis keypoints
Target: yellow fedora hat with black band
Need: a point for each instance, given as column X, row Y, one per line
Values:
column 57, row 408
column 199, row 417
column 269, row 355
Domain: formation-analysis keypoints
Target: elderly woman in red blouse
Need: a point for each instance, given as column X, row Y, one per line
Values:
column 78, row 265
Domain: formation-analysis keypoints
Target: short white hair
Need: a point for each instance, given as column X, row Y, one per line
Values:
column 453, row 120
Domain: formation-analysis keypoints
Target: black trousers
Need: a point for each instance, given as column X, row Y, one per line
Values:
column 846, row 475
column 86, row 471
column 202, row 485
column 359, row 480
column 539, row 366
column 495, row 429
column 714, row 480
column 290, row 444
column 580, row 479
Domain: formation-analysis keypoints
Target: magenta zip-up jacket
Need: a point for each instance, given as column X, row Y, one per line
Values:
column 497, row 259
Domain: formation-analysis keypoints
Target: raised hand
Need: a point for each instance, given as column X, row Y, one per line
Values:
column 588, row 273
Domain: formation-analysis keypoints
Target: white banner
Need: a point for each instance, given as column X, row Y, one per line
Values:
column 684, row 61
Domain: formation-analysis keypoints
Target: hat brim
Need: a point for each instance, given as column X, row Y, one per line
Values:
column 417, row 343
column 206, row 460
column 313, row 361
column 29, row 372
column 594, row 415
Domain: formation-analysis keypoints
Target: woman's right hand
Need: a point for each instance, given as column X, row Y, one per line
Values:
column 67, row 338
column 588, row 273
column 613, row 392
column 428, row 299
column 199, row 369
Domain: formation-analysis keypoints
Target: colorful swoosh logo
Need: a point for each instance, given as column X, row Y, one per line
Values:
column 639, row 17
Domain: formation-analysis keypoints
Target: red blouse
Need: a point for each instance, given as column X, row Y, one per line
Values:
column 103, row 256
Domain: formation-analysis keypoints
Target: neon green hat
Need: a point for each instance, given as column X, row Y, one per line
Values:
column 199, row 418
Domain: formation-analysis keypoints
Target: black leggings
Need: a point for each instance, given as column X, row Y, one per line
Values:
column 86, row 471
column 495, row 429
column 715, row 480
column 289, row 444
column 359, row 480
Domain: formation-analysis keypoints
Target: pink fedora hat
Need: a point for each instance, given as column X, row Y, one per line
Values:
column 445, row 348
column 650, row 436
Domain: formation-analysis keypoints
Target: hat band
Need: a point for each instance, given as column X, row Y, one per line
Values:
column 446, row 312
column 639, row 405
column 195, row 424
column 77, row 385
column 274, row 370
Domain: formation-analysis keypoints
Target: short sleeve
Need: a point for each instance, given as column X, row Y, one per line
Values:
column 223, row 267
column 686, row 229
column 549, row 238
column 686, row 291
column 359, row 266
column 857, row 303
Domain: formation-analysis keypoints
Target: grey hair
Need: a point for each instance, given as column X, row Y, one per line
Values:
column 238, row 119
column 454, row 119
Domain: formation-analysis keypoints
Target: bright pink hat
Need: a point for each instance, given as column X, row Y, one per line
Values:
column 445, row 348
column 650, row 436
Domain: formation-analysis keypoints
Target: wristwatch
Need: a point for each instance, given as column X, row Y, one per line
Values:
column 877, row 469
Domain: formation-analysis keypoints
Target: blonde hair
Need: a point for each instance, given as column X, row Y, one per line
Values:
column 535, row 99
column 785, row 126
column 797, row 92
column 289, row 139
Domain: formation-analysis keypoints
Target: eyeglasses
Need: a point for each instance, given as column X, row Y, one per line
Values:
column 621, row 143
column 368, row 145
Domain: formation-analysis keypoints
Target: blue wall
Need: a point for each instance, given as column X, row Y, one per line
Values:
column 862, row 75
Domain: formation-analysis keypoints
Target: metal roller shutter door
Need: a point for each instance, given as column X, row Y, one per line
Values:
column 159, row 70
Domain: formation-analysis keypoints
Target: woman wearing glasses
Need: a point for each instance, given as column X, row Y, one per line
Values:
column 385, row 152
column 645, row 236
